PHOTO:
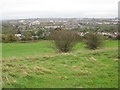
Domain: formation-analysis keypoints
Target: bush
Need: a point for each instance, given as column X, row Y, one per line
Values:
column 9, row 38
column 118, row 37
column 27, row 36
column 93, row 40
column 35, row 38
column 1, row 37
column 64, row 39
column 40, row 37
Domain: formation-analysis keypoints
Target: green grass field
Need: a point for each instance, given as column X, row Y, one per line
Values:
column 39, row 65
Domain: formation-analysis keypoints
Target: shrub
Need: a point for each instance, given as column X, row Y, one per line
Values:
column 118, row 37
column 64, row 39
column 1, row 37
column 93, row 40
column 111, row 38
column 27, row 36
column 23, row 39
column 9, row 38
column 35, row 38
column 40, row 37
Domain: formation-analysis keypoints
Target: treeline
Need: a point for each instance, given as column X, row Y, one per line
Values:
column 29, row 36
column 98, row 28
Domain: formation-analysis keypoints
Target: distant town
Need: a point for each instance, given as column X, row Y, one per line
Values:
column 43, row 26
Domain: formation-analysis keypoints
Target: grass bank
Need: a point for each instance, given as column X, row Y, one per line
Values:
column 42, row 67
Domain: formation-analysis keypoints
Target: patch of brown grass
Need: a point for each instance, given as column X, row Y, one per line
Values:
column 43, row 69
column 92, row 59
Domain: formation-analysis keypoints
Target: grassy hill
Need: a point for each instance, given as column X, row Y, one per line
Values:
column 38, row 65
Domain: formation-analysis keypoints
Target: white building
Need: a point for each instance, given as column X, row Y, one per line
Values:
column 53, row 27
column 19, row 36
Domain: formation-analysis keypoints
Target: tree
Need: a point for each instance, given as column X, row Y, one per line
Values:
column 93, row 41
column 64, row 39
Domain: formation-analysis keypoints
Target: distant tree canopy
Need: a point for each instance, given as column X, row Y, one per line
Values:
column 27, row 36
column 18, row 31
column 8, row 29
column 98, row 28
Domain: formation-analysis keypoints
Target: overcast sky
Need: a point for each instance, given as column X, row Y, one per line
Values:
column 14, row 9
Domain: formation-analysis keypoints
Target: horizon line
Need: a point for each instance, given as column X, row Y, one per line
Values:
column 57, row 18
